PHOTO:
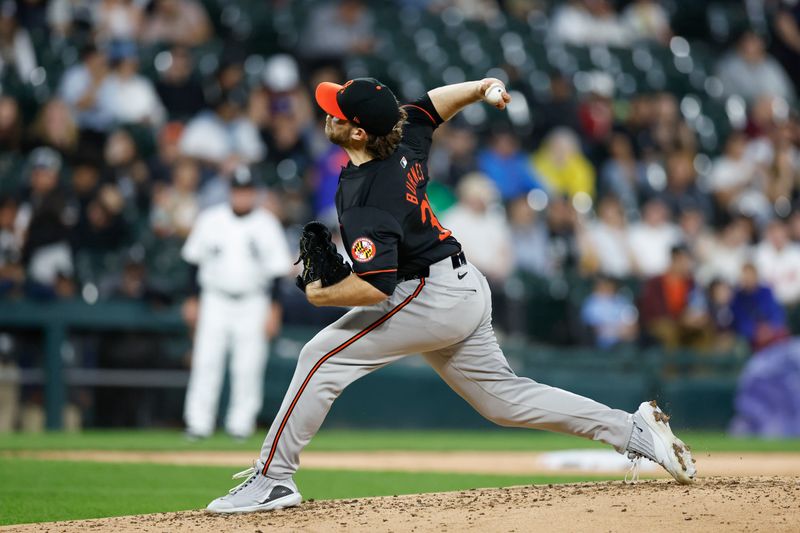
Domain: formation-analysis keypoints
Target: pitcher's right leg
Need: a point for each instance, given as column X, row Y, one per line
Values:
column 478, row 371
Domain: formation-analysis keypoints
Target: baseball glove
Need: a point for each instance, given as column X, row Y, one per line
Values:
column 319, row 257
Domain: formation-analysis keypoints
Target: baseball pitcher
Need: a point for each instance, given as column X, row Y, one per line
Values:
column 413, row 291
column 240, row 249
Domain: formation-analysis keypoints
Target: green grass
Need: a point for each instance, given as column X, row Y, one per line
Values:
column 38, row 491
column 369, row 440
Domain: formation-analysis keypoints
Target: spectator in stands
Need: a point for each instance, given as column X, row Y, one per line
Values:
column 481, row 227
column 103, row 229
column 757, row 315
column 563, row 166
column 652, row 239
column 229, row 78
column 596, row 111
column 668, row 131
column 168, row 152
column 60, row 16
column 177, row 86
column 762, row 115
column 562, row 224
column 125, row 168
column 605, row 245
column 10, row 125
column 736, row 181
column 81, row 86
column 588, row 22
column 85, row 182
column 622, row 175
column 778, row 262
column 720, row 299
column 225, row 136
column 729, row 251
column 695, row 233
column 609, row 314
column 793, row 223
column 560, row 108
column 673, row 309
column 44, row 220
column 177, row 22
column 118, row 20
column 287, row 146
column 325, row 180
column 285, row 90
column 637, row 126
column 775, row 131
column 778, row 157
column 12, row 275
column 175, row 207
column 32, row 14
column 529, row 233
column 454, row 153
column 647, row 20
column 337, row 29
column 750, row 72
column 786, row 38
column 128, row 96
column 134, row 284
column 507, row 165
column 55, row 127
column 681, row 191
column 16, row 48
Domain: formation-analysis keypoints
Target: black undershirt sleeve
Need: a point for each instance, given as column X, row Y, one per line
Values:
column 422, row 120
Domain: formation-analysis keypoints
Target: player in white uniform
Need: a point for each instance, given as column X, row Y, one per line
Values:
column 239, row 249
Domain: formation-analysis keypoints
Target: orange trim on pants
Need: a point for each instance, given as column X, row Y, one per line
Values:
column 327, row 356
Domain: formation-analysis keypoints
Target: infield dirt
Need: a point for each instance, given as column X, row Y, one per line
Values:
column 711, row 504
column 485, row 462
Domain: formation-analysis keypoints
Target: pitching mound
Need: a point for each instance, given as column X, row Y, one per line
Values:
column 712, row 504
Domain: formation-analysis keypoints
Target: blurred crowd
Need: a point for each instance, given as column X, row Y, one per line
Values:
column 121, row 120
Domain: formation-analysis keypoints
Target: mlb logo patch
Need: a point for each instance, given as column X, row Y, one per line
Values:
column 403, row 162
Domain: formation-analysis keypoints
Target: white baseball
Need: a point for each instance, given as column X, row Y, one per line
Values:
column 494, row 94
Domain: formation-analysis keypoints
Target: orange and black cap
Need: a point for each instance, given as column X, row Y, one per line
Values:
column 365, row 102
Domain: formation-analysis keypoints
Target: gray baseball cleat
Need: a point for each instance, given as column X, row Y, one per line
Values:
column 652, row 438
column 257, row 493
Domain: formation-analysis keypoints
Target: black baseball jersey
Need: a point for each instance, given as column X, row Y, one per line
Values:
column 386, row 220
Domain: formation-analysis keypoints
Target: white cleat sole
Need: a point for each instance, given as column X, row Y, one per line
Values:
column 677, row 457
column 290, row 500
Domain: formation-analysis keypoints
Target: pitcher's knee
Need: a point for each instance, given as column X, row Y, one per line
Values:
column 310, row 355
column 498, row 415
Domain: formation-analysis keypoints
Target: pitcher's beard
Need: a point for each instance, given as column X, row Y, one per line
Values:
column 339, row 137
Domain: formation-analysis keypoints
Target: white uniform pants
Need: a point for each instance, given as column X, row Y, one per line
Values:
column 235, row 325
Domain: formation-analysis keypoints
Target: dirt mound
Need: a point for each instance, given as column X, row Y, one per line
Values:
column 712, row 504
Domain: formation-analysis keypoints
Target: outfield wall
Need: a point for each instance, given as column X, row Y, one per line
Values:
column 696, row 388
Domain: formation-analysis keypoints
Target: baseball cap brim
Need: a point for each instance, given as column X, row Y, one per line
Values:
column 326, row 99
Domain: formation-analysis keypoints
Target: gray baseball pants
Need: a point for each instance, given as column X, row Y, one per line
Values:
column 446, row 317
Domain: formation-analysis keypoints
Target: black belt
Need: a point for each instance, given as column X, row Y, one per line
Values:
column 458, row 260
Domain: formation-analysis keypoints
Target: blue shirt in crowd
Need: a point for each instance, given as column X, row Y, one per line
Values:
column 512, row 175
column 753, row 308
column 607, row 315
